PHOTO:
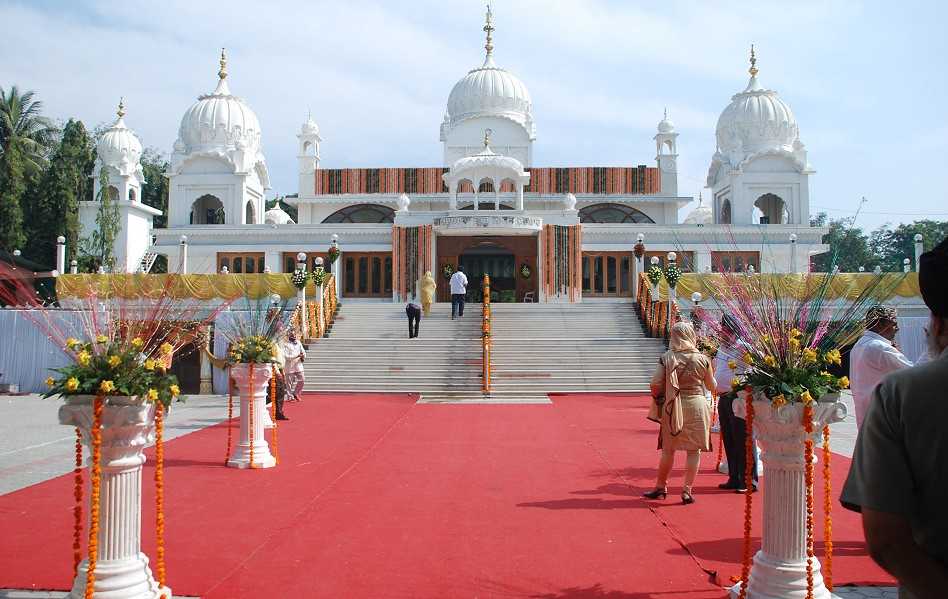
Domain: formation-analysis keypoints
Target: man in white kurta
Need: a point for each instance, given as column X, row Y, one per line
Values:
column 874, row 356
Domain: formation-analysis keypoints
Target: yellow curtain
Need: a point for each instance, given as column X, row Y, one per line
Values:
column 843, row 285
column 205, row 287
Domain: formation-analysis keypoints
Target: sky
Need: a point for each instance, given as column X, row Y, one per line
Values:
column 866, row 80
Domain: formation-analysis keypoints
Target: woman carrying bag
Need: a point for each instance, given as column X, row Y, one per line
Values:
column 678, row 387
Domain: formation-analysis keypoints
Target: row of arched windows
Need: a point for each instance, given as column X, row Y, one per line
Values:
column 769, row 209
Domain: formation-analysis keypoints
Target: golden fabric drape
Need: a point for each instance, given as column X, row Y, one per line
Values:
column 204, row 287
column 844, row 285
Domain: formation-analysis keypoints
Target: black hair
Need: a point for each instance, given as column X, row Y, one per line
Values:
column 460, row 268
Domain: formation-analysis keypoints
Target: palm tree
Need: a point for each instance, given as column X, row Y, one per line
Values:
column 23, row 127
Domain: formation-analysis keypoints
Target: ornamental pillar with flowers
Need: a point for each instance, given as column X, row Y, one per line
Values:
column 252, row 450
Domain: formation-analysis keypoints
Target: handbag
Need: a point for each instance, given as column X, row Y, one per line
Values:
column 655, row 409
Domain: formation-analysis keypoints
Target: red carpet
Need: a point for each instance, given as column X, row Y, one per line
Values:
column 379, row 497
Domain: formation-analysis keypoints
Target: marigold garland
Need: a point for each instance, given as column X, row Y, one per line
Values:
column 95, row 495
column 251, row 421
column 77, row 509
column 748, row 493
column 160, row 493
column 230, row 417
column 827, row 511
column 808, row 481
column 273, row 412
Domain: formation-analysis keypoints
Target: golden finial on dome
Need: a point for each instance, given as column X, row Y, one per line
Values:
column 753, row 68
column 487, row 133
column 489, row 29
column 121, row 107
column 223, row 72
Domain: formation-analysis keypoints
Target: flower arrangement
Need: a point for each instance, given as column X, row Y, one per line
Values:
column 333, row 253
column 654, row 274
column 672, row 274
column 254, row 330
column 108, row 366
column 256, row 349
column 300, row 277
column 525, row 270
column 319, row 277
column 789, row 333
column 638, row 249
column 447, row 270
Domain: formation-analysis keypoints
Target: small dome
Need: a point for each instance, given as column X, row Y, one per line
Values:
column 756, row 120
column 487, row 159
column 310, row 127
column 277, row 216
column 118, row 144
column 702, row 215
column 666, row 125
column 219, row 120
column 490, row 90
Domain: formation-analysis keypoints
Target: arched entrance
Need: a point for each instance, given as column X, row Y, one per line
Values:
column 496, row 261
column 510, row 260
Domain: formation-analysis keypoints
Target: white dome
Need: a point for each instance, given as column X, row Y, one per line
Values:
column 118, row 144
column 756, row 121
column 702, row 215
column 219, row 120
column 666, row 125
column 490, row 90
column 310, row 127
column 277, row 216
column 487, row 159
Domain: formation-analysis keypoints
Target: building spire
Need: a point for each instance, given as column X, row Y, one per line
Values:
column 489, row 30
column 487, row 133
column 223, row 72
column 753, row 68
column 121, row 107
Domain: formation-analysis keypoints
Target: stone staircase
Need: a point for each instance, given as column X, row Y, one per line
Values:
column 537, row 349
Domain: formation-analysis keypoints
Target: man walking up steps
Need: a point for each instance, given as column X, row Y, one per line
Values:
column 458, row 291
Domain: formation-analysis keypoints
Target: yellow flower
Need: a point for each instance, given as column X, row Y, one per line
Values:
column 106, row 386
column 72, row 342
column 50, row 381
column 844, row 382
column 770, row 361
column 765, row 339
column 175, row 390
column 83, row 358
column 809, row 356
column 114, row 361
column 735, row 383
column 806, row 398
column 833, row 357
column 731, row 364
column 779, row 401
column 166, row 348
column 72, row 384
column 795, row 333
column 149, row 364
column 101, row 339
column 748, row 358
column 137, row 342
column 153, row 395
column 794, row 344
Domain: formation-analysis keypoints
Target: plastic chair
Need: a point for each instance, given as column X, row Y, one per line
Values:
column 528, row 297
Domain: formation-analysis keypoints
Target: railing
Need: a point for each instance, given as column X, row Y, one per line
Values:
column 485, row 337
column 657, row 315
column 319, row 316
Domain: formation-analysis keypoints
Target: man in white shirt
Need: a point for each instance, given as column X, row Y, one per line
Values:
column 294, row 353
column 458, row 291
column 874, row 356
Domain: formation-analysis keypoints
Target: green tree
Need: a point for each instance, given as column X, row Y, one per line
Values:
column 53, row 209
column 97, row 249
column 849, row 247
column 155, row 188
column 894, row 245
column 12, row 186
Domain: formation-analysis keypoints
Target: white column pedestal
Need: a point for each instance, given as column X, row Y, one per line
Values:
column 262, row 458
column 121, row 570
column 779, row 568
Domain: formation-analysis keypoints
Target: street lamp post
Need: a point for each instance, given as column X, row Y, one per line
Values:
column 301, row 295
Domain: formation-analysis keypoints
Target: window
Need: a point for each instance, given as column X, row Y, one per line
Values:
column 612, row 213
column 289, row 260
column 734, row 261
column 725, row 213
column 770, row 209
column 249, row 214
column 207, row 210
column 241, row 262
column 362, row 213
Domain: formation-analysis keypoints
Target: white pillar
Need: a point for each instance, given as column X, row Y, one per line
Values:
column 337, row 266
column 262, row 458
column 477, row 198
column 122, row 570
column 73, row 267
column 520, row 197
column 61, row 254
column 183, row 269
column 919, row 247
column 672, row 293
column 301, row 297
column 207, row 374
column 639, row 267
column 793, row 253
column 779, row 568
column 453, row 195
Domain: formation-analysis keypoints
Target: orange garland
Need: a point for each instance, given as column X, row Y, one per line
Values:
column 748, row 493
column 808, row 481
column 160, row 492
column 230, row 416
column 77, row 509
column 96, row 434
column 250, row 414
column 827, row 511
column 273, row 412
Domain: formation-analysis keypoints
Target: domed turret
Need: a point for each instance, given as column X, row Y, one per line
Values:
column 702, row 215
column 666, row 125
column 277, row 216
column 118, row 146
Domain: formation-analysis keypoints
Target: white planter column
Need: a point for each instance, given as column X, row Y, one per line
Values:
column 262, row 458
column 121, row 570
column 779, row 568
column 301, row 296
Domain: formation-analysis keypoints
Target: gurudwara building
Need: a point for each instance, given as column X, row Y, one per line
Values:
column 541, row 233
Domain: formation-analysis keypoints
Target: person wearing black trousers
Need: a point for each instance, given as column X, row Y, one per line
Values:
column 733, row 429
column 413, row 311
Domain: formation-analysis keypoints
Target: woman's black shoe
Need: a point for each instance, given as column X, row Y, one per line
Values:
column 656, row 494
column 686, row 498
